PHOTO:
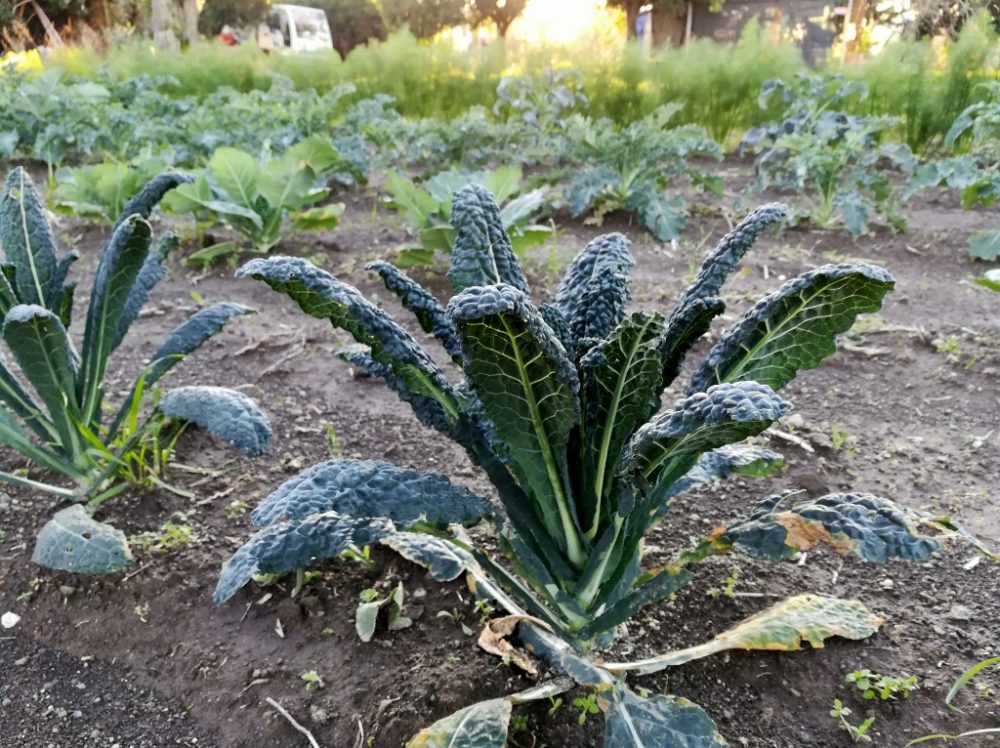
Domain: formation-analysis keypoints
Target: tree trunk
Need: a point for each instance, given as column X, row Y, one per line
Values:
column 190, row 21
column 502, row 24
column 159, row 23
column 631, row 16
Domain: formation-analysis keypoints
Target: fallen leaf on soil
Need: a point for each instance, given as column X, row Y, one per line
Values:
column 493, row 639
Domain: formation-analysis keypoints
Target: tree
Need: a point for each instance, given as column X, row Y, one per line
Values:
column 352, row 22
column 425, row 18
column 501, row 12
column 236, row 13
column 938, row 16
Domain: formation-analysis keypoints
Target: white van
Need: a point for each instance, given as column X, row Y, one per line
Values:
column 298, row 28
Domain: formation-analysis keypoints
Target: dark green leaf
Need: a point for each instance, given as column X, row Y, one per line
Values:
column 116, row 275
column 528, row 388
column 151, row 194
column 719, row 464
column 26, row 238
column 39, row 343
column 482, row 254
column 794, row 328
column 594, row 291
column 661, row 584
column 151, row 273
column 429, row 313
column 444, row 561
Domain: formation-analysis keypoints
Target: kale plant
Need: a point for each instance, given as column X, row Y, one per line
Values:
column 53, row 409
column 975, row 173
column 253, row 197
column 101, row 191
column 629, row 169
column 837, row 162
column 427, row 209
column 560, row 408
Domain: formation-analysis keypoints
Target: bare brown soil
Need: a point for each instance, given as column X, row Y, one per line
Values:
column 908, row 409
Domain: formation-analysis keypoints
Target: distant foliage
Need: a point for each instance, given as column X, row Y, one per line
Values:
column 352, row 22
column 424, row 18
column 236, row 13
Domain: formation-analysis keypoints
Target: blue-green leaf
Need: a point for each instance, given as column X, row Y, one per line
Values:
column 658, row 722
column 26, row 238
column 687, row 324
column 795, row 327
column 985, row 245
column 482, row 725
column 226, row 414
column 874, row 528
column 190, row 334
column 482, row 254
column 664, row 450
column 594, row 291
column 665, row 216
column 444, row 561
column 323, row 296
column 429, row 313
column 719, row 464
column 291, row 545
column 74, row 541
column 369, row 488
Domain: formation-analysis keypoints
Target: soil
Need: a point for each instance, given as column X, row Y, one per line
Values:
column 907, row 409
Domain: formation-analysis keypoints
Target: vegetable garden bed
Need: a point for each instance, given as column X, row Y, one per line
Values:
column 907, row 410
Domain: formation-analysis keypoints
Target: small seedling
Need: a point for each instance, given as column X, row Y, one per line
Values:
column 236, row 509
column 141, row 610
column 171, row 536
column 886, row 687
column 366, row 615
column 333, row 441
column 857, row 732
column 312, row 679
column 587, row 706
column 485, row 609
column 519, row 723
column 729, row 586
column 554, row 703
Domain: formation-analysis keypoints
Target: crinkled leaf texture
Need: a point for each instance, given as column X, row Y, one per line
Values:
column 26, row 239
column 795, row 327
column 874, row 528
column 152, row 193
column 657, row 722
column 291, row 545
column 369, row 488
column 74, row 541
column 482, row 253
column 719, row 464
column 783, row 627
column 482, row 725
column 226, row 414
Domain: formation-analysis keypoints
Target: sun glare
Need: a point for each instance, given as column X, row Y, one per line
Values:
column 560, row 21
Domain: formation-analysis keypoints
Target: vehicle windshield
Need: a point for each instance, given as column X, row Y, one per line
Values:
column 310, row 23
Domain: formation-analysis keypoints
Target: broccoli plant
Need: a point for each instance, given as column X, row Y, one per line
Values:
column 53, row 409
column 836, row 161
column 629, row 169
column 428, row 210
column 975, row 173
column 560, row 408
column 253, row 198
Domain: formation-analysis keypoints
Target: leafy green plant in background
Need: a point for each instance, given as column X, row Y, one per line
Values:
column 838, row 163
column 253, row 196
column 53, row 408
column 886, row 687
column 975, row 173
column 559, row 409
column 630, row 168
column 427, row 208
column 101, row 191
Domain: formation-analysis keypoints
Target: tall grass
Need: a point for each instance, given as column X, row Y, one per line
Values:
column 925, row 84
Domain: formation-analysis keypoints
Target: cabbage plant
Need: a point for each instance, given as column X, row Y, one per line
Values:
column 53, row 408
column 560, row 406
